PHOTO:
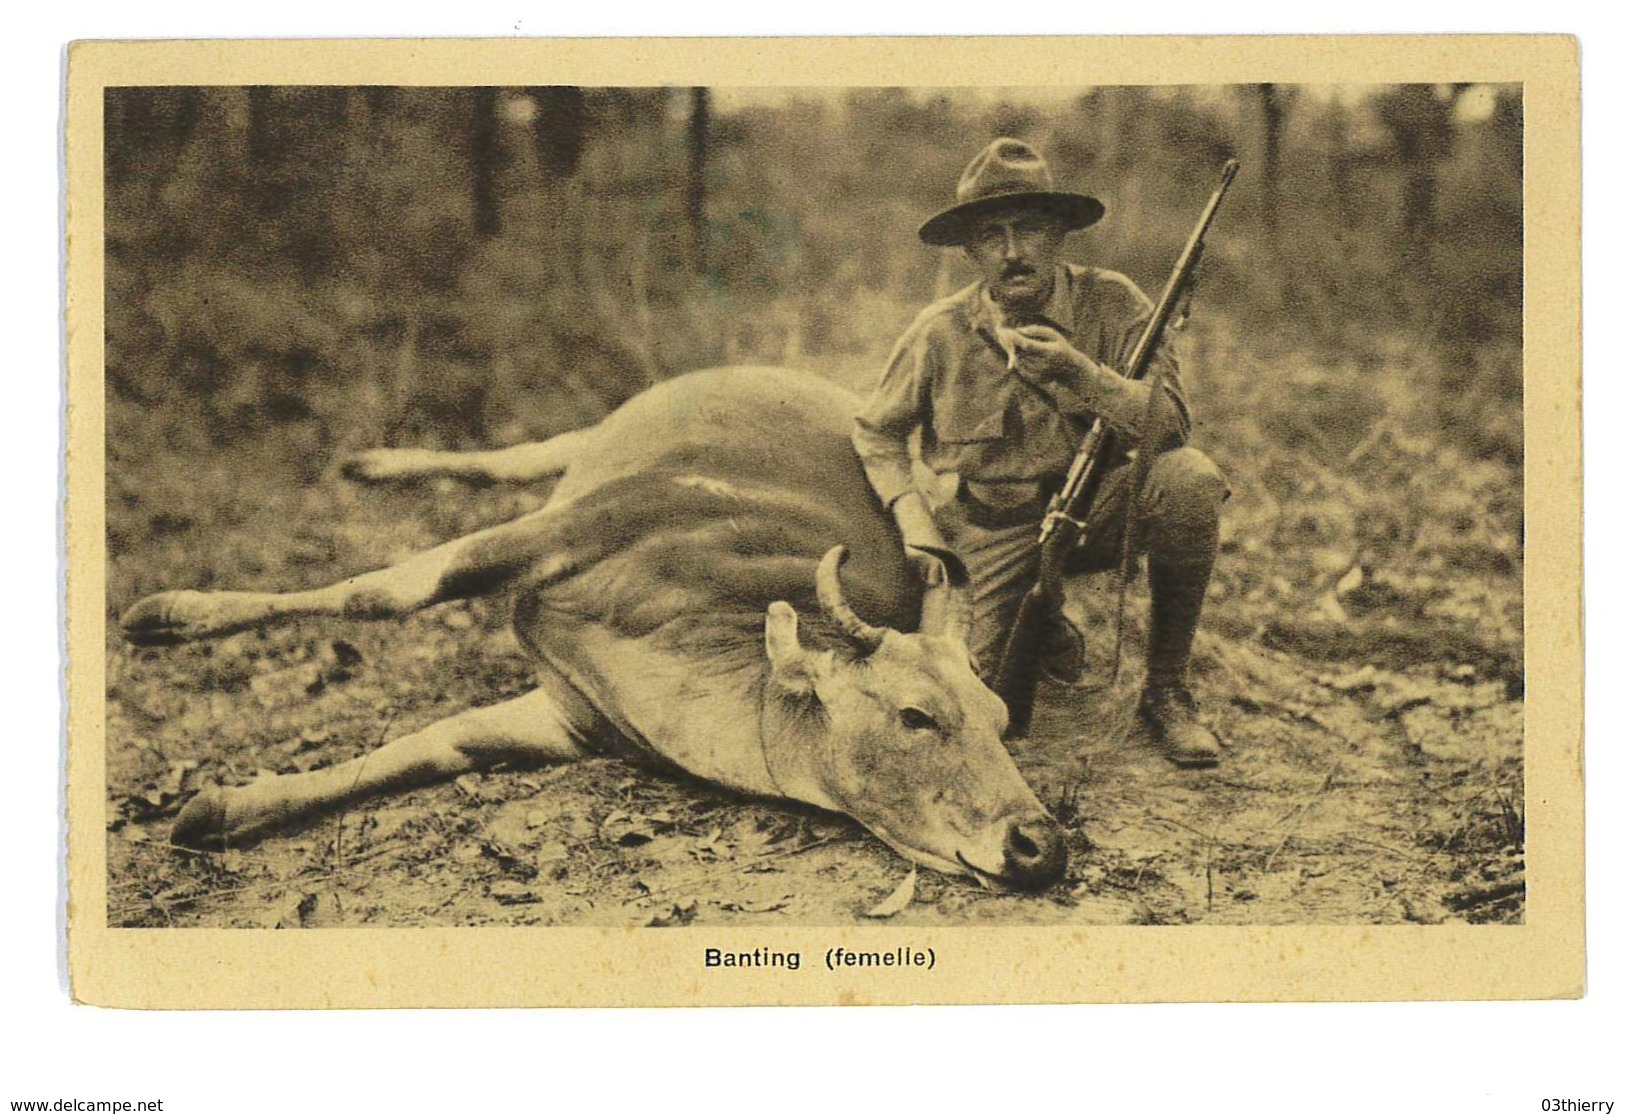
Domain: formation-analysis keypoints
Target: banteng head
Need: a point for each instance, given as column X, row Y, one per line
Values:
column 899, row 733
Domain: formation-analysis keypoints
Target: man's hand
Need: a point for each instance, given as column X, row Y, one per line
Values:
column 1044, row 355
column 914, row 522
column 931, row 564
column 922, row 541
column 1077, row 384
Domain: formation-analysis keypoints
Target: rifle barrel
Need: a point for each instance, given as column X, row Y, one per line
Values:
column 1016, row 677
column 1151, row 335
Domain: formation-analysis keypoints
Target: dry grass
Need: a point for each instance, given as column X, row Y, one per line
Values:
column 1362, row 651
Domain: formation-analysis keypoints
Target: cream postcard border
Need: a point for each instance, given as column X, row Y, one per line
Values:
column 239, row 968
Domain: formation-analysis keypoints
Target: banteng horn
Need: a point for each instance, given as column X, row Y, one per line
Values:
column 946, row 610
column 833, row 600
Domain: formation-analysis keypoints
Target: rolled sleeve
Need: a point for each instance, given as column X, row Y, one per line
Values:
column 1172, row 424
column 898, row 405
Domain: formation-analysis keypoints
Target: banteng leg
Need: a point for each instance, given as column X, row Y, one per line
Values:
column 533, row 546
column 536, row 460
column 532, row 728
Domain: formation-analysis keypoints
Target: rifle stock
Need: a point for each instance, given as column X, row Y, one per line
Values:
column 1066, row 521
column 1016, row 680
column 1021, row 660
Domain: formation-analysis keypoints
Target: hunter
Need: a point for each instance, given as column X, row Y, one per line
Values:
column 1001, row 381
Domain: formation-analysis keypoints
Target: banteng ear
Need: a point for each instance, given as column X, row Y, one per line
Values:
column 793, row 668
column 783, row 640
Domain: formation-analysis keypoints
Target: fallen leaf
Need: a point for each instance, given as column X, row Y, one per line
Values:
column 678, row 913
column 1403, row 701
column 310, row 910
column 625, row 831
column 513, row 893
column 1363, row 679
column 899, row 899
column 712, row 847
column 151, row 805
column 764, row 905
column 1254, row 701
column 507, row 859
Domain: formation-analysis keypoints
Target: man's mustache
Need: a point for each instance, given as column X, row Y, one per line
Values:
column 1016, row 270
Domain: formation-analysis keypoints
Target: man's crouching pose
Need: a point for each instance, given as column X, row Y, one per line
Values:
column 1008, row 421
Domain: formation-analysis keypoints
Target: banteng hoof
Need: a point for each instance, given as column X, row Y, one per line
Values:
column 201, row 825
column 163, row 619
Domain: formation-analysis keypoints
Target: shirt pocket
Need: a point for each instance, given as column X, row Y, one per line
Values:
column 971, row 439
column 963, row 424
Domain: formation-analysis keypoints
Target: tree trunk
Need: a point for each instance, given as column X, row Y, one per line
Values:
column 483, row 156
column 1272, row 115
column 699, row 138
column 261, row 144
column 1422, row 124
column 561, row 128
column 128, row 115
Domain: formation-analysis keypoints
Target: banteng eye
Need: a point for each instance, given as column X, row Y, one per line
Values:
column 915, row 720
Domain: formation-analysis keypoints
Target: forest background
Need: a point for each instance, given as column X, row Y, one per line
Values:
column 295, row 273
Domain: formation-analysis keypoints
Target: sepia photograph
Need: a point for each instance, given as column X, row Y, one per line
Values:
column 744, row 509
column 568, row 505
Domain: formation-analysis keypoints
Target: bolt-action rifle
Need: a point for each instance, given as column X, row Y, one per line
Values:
column 1066, row 522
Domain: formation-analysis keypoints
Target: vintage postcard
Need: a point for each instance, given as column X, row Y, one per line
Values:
column 815, row 521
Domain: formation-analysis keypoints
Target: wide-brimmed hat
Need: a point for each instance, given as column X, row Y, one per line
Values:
column 1007, row 173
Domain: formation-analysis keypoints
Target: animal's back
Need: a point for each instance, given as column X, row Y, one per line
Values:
column 727, row 486
column 763, row 424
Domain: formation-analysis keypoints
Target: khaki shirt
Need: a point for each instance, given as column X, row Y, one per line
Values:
column 949, row 379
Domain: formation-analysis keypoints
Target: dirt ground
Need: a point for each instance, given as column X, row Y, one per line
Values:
column 294, row 274
column 1372, row 775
